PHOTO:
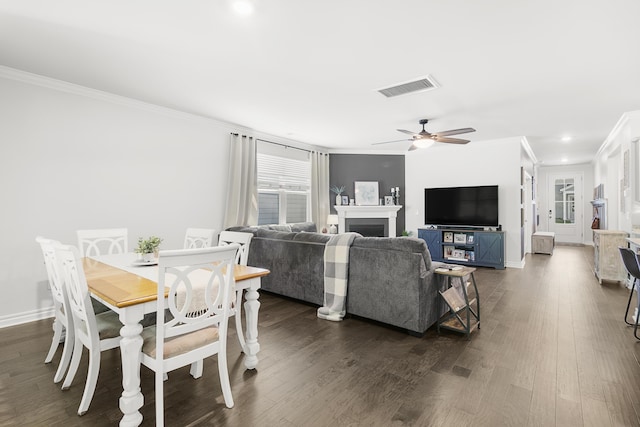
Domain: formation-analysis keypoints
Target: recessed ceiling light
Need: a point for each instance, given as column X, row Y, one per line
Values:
column 564, row 160
column 566, row 138
column 242, row 7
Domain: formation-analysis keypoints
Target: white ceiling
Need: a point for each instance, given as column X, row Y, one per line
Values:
column 309, row 71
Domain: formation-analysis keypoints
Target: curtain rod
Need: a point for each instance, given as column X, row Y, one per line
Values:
column 282, row 145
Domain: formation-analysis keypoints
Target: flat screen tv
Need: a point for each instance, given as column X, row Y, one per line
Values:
column 462, row 206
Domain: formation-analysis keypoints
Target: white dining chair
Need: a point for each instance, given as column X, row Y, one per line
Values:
column 201, row 286
column 244, row 240
column 63, row 320
column 97, row 333
column 103, row 241
column 199, row 238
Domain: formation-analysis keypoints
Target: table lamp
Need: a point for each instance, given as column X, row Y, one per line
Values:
column 332, row 220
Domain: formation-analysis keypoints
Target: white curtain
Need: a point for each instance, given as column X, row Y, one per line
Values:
column 319, row 188
column 242, row 194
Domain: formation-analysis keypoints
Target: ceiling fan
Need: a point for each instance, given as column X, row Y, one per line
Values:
column 424, row 139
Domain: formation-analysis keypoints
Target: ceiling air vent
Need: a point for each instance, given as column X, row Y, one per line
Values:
column 426, row 83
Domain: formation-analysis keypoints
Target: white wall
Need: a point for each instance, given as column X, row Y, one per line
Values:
column 74, row 158
column 623, row 204
column 494, row 162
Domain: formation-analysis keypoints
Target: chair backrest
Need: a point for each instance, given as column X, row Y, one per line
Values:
column 243, row 239
column 199, row 238
column 103, row 241
column 630, row 260
column 75, row 283
column 48, row 247
column 200, row 285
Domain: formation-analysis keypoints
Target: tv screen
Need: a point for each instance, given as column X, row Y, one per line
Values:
column 462, row 206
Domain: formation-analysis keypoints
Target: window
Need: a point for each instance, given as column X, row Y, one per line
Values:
column 284, row 184
column 565, row 201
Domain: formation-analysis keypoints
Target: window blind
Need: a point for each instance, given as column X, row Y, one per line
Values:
column 275, row 172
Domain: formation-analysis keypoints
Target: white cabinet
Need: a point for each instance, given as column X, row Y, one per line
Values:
column 607, row 261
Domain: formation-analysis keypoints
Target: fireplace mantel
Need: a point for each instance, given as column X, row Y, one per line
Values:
column 387, row 211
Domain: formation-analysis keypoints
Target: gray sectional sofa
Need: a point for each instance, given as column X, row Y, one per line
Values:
column 391, row 279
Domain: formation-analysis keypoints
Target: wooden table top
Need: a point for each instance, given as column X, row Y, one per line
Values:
column 122, row 289
column 463, row 271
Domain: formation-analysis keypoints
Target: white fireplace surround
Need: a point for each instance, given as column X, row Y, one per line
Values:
column 388, row 211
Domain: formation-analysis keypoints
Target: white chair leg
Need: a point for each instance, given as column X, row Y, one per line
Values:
column 159, row 399
column 238, row 316
column 67, row 351
column 55, row 342
column 92, row 379
column 196, row 369
column 223, row 372
column 75, row 362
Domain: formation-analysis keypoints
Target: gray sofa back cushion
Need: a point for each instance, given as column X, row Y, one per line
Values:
column 401, row 244
column 277, row 227
column 272, row 234
column 312, row 237
column 309, row 227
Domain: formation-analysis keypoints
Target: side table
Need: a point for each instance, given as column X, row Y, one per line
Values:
column 462, row 316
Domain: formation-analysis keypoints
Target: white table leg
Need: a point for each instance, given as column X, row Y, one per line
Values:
column 130, row 346
column 251, row 308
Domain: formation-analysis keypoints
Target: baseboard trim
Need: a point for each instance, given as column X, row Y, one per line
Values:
column 26, row 317
column 515, row 264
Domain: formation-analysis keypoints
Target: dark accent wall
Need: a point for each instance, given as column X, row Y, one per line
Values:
column 388, row 170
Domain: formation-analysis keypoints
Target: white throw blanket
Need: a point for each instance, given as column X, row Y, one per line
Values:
column 336, row 276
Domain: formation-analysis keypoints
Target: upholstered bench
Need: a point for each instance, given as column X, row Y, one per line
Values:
column 542, row 242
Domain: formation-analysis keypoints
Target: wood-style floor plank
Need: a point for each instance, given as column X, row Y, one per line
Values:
column 552, row 350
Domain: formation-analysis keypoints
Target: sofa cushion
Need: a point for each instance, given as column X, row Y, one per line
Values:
column 309, row 227
column 273, row 234
column 403, row 244
column 243, row 228
column 280, row 227
column 312, row 237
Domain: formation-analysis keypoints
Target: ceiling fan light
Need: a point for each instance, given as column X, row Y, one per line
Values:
column 423, row 143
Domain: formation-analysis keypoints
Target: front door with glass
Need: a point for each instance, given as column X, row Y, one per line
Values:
column 565, row 207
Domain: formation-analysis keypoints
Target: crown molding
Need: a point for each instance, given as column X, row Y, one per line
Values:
column 75, row 89
column 527, row 148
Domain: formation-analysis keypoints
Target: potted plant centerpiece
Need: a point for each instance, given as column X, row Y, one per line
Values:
column 338, row 191
column 147, row 249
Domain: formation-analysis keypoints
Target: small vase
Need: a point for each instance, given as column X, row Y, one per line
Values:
column 338, row 200
column 147, row 257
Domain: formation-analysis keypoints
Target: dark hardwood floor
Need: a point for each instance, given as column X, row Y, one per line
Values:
column 553, row 351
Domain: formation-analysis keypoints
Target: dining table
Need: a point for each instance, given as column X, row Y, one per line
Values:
column 130, row 288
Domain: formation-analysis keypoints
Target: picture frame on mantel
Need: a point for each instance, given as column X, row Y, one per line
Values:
column 366, row 193
column 345, row 200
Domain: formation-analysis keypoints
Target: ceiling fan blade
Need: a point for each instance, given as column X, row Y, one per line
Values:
column 454, row 132
column 407, row 132
column 450, row 140
column 389, row 142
